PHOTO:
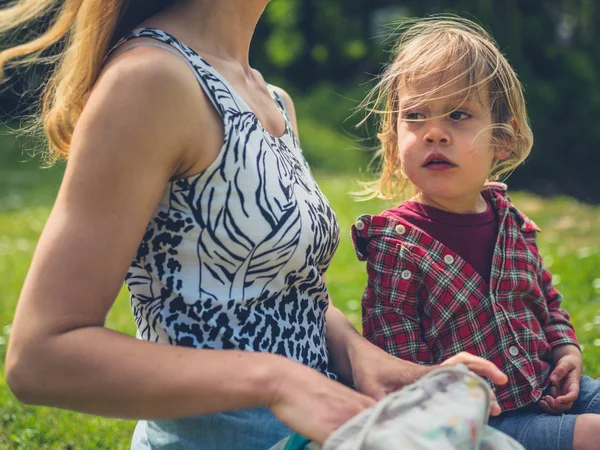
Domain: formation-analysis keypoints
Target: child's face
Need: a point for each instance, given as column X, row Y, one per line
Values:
column 448, row 158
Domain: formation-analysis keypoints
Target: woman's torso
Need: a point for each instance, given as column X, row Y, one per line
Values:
column 234, row 256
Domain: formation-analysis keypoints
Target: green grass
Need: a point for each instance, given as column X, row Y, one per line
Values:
column 570, row 243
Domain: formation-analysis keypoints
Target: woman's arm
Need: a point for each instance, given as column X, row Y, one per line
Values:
column 132, row 137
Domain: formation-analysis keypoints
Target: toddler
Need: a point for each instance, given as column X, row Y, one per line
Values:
column 456, row 268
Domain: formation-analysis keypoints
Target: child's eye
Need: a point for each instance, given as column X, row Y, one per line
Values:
column 459, row 115
column 414, row 116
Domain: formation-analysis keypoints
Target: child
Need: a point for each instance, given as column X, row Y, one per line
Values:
column 456, row 268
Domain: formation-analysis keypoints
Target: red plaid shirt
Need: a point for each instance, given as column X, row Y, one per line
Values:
column 424, row 303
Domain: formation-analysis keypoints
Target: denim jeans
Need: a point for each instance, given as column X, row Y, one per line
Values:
column 248, row 429
column 537, row 430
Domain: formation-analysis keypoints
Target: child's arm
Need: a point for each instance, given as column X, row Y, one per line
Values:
column 566, row 354
column 558, row 329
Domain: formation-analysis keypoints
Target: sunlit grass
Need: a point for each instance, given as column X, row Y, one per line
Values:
column 570, row 242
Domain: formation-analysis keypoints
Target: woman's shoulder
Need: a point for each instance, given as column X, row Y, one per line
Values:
column 146, row 91
column 150, row 72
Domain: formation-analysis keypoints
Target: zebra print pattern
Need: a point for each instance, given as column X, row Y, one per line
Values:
column 234, row 256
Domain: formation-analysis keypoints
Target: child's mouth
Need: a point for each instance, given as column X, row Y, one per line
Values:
column 438, row 161
column 438, row 164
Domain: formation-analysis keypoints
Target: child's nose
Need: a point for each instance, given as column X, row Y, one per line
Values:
column 436, row 135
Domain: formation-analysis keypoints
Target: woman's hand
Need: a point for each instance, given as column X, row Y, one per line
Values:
column 376, row 373
column 312, row 404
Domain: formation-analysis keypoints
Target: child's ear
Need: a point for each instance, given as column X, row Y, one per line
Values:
column 505, row 151
column 502, row 153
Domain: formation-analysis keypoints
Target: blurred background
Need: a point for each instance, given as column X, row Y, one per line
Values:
column 326, row 53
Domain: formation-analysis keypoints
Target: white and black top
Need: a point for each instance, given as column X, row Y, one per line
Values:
column 234, row 257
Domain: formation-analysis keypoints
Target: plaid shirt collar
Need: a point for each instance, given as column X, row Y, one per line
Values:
column 424, row 303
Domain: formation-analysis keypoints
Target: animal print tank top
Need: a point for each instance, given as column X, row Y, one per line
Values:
column 234, row 256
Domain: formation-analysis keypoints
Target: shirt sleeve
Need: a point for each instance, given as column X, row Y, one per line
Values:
column 390, row 302
column 558, row 329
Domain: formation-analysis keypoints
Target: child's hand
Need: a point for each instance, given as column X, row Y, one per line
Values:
column 480, row 366
column 565, row 384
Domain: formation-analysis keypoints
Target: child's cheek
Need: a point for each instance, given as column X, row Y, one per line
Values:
column 410, row 162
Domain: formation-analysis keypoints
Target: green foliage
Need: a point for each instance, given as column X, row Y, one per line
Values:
column 325, row 146
column 283, row 47
column 327, row 122
column 355, row 49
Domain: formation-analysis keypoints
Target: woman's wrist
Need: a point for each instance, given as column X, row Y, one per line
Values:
column 266, row 376
column 356, row 347
column 343, row 342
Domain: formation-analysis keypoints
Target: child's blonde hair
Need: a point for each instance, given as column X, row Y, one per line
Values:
column 452, row 49
column 84, row 31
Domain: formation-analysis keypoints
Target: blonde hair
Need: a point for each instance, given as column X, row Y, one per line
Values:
column 456, row 49
column 83, row 31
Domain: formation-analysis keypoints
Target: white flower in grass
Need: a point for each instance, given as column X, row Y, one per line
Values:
column 24, row 245
column 588, row 326
column 7, row 329
column 584, row 252
column 597, row 342
column 596, row 284
column 353, row 305
column 555, row 279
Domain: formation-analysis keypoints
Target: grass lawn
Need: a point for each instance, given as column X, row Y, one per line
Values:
column 570, row 243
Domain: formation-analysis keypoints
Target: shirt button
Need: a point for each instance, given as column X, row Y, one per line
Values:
column 448, row 259
column 406, row 274
column 400, row 229
column 514, row 351
column 359, row 225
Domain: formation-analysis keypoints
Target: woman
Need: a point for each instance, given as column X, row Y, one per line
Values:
column 185, row 178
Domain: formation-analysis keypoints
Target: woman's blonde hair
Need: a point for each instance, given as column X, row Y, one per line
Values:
column 80, row 34
column 454, row 50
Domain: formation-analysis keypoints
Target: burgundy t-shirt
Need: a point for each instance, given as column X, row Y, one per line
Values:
column 471, row 236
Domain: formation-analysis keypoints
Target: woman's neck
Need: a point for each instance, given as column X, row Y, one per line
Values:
column 221, row 28
column 472, row 205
